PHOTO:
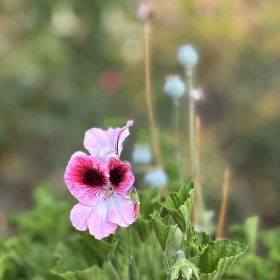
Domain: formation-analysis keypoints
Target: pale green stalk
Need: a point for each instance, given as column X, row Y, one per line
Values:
column 178, row 150
column 131, row 255
column 191, row 124
column 198, row 207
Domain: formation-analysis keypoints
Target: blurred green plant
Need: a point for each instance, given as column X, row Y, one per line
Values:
column 46, row 247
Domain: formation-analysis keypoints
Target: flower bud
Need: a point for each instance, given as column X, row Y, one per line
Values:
column 147, row 12
column 141, row 154
column 156, row 178
column 174, row 87
column 187, row 56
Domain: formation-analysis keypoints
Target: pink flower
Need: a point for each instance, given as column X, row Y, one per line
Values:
column 101, row 187
column 106, row 144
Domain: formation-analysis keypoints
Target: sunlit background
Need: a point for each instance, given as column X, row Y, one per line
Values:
column 67, row 66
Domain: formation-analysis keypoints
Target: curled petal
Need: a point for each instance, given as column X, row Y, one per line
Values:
column 121, row 176
column 79, row 215
column 98, row 223
column 77, row 154
column 120, row 210
column 118, row 135
column 107, row 143
column 86, row 178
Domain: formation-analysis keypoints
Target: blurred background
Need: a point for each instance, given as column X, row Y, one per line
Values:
column 67, row 66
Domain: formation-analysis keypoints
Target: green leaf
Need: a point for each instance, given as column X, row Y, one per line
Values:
column 197, row 242
column 150, row 201
column 271, row 241
column 49, row 213
column 179, row 205
column 218, row 257
column 74, row 254
column 164, row 233
column 247, row 233
column 105, row 248
column 107, row 272
column 143, row 227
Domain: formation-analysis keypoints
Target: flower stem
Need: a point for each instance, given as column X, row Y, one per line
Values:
column 153, row 129
column 131, row 255
column 189, row 75
column 222, row 214
column 178, row 151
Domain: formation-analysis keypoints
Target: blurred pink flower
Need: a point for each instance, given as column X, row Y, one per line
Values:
column 106, row 144
column 101, row 189
column 110, row 81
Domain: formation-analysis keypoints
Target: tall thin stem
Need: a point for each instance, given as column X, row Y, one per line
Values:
column 197, row 176
column 153, row 129
column 178, row 151
column 191, row 124
column 131, row 255
column 222, row 214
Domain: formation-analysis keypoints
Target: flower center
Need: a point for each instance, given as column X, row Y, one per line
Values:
column 109, row 191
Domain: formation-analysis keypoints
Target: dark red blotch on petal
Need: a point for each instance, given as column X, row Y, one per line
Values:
column 117, row 175
column 93, row 177
column 86, row 173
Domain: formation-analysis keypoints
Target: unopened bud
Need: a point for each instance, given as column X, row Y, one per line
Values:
column 156, row 178
column 174, row 87
column 187, row 56
column 147, row 11
column 141, row 154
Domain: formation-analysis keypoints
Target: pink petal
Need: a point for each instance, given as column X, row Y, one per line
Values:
column 107, row 143
column 118, row 135
column 96, row 140
column 120, row 210
column 98, row 223
column 86, row 178
column 77, row 154
column 79, row 215
column 121, row 176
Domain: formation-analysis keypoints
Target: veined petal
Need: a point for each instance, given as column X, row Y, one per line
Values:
column 79, row 215
column 118, row 136
column 121, row 210
column 98, row 223
column 86, row 178
column 121, row 176
column 107, row 143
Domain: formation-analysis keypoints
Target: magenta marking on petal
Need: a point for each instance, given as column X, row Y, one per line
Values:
column 92, row 177
column 117, row 175
column 86, row 178
column 121, row 177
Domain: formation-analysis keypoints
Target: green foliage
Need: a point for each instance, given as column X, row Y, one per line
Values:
column 200, row 257
column 256, row 266
column 218, row 257
column 55, row 251
column 94, row 272
column 164, row 232
column 179, row 205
